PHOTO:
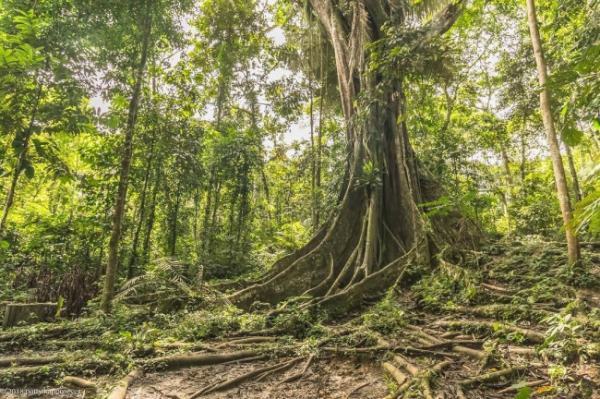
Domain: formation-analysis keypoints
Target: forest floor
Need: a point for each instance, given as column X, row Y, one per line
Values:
column 511, row 322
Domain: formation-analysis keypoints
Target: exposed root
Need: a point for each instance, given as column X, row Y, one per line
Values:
column 300, row 374
column 459, row 393
column 398, row 375
column 431, row 340
column 515, row 388
column 519, row 350
column 429, row 374
column 248, row 340
column 120, row 391
column 501, row 309
column 31, row 375
column 198, row 359
column 531, row 335
column 357, row 388
column 79, row 382
column 256, row 373
column 493, row 376
column 247, row 359
column 49, row 332
column 190, row 346
column 29, row 361
column 497, row 288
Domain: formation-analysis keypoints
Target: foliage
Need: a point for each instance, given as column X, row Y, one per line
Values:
column 449, row 285
column 240, row 146
column 386, row 317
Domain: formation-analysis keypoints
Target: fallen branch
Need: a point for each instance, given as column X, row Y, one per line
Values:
column 533, row 336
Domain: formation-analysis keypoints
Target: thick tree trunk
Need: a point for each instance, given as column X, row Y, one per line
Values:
column 119, row 210
column 379, row 227
column 557, row 164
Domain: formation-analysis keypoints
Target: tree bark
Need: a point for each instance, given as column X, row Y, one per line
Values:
column 559, row 171
column 119, row 210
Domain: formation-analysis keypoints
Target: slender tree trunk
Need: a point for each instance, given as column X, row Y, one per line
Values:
column 573, row 171
column 151, row 216
column 559, row 171
column 10, row 195
column 318, row 191
column 313, row 164
column 142, row 214
column 119, row 210
column 523, row 165
column 174, row 217
column 215, row 210
column 206, row 233
column 507, row 197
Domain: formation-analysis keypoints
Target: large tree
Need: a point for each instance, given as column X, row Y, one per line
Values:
column 381, row 224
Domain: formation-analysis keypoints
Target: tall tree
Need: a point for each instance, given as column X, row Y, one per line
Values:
column 546, row 111
column 127, row 150
column 380, row 225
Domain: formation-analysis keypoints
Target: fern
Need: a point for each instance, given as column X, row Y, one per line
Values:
column 165, row 282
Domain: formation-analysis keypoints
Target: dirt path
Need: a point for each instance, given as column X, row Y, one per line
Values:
column 326, row 379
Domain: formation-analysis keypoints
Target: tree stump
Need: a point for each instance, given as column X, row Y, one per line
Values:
column 15, row 313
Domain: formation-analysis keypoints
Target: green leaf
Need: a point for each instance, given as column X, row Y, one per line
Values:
column 28, row 169
column 524, row 393
column 572, row 136
column 4, row 244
